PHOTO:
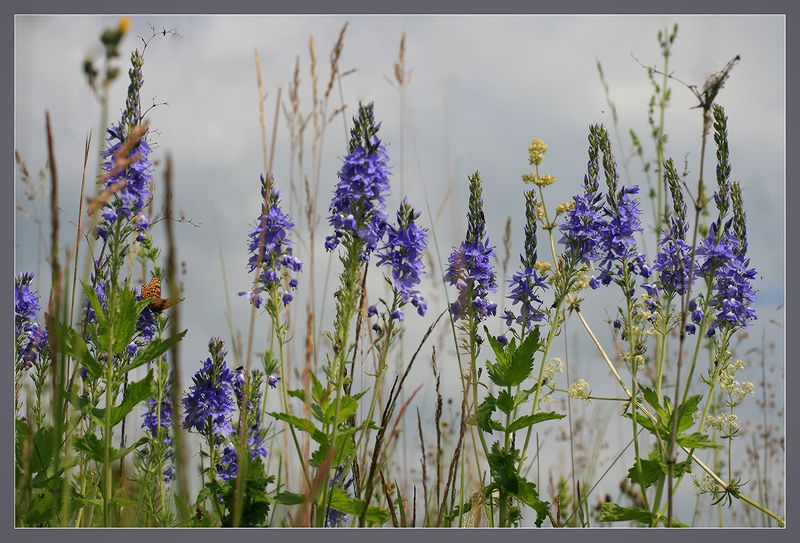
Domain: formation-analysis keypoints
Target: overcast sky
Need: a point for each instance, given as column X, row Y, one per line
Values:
column 481, row 88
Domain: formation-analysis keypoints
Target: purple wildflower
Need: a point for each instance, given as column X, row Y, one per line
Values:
column 469, row 266
column 403, row 251
column 271, row 249
column 210, row 397
column 157, row 420
column 357, row 208
column 526, row 282
column 127, row 162
column 333, row 517
column 30, row 336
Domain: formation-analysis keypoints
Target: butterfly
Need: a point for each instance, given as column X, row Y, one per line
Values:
column 153, row 291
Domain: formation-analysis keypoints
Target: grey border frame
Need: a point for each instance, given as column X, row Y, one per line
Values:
column 7, row 269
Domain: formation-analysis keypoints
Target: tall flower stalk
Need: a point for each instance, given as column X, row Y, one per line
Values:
column 359, row 220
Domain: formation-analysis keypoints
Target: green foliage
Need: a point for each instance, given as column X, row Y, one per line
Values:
column 344, row 503
column 654, row 469
column 664, row 421
column 611, row 512
column 529, row 420
column 502, row 466
column 513, row 364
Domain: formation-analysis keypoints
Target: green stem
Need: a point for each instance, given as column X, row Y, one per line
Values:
column 550, row 337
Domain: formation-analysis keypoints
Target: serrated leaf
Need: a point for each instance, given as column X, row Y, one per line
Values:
column 127, row 314
column 611, row 512
column 697, row 440
column 289, row 498
column 376, row 515
column 151, row 351
column 502, row 466
column 42, row 449
column 505, row 402
column 652, row 471
column 91, row 446
column 528, row 495
column 347, row 407
column 304, row 425
column 136, row 393
column 686, row 412
column 299, row 393
column 94, row 301
column 120, row 453
column 484, row 414
column 499, row 350
column 516, row 364
column 650, row 397
column 530, row 420
column 344, row 503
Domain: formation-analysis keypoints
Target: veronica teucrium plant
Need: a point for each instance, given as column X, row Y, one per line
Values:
column 318, row 434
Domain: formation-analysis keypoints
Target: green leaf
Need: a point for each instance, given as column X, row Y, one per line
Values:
column 376, row 516
column 652, row 471
column 78, row 349
column 344, row 503
column 686, row 412
column 151, row 351
column 502, row 466
column 299, row 393
column 289, row 498
column 121, row 453
column 697, row 440
column 304, row 425
column 515, row 364
column 651, row 397
column 42, row 452
column 91, row 446
column 127, row 314
column 530, row 420
column 348, row 405
column 345, row 448
column 499, row 350
column 136, row 393
column 528, row 495
column 94, row 301
column 611, row 512
column 505, row 402
column 484, row 414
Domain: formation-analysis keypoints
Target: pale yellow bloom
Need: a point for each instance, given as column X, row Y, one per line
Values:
column 579, row 390
column 566, row 206
column 536, row 151
column 124, row 25
column 542, row 267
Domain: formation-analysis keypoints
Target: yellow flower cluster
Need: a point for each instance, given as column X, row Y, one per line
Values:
column 542, row 267
column 538, row 180
column 536, row 151
column 566, row 206
column 124, row 25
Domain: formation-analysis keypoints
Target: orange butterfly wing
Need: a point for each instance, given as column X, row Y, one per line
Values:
column 152, row 289
column 160, row 304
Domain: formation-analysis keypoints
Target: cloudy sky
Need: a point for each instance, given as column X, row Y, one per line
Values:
column 481, row 88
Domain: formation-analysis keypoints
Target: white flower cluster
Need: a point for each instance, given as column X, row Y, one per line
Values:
column 726, row 423
column 707, row 486
column 579, row 390
column 729, row 384
column 551, row 368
